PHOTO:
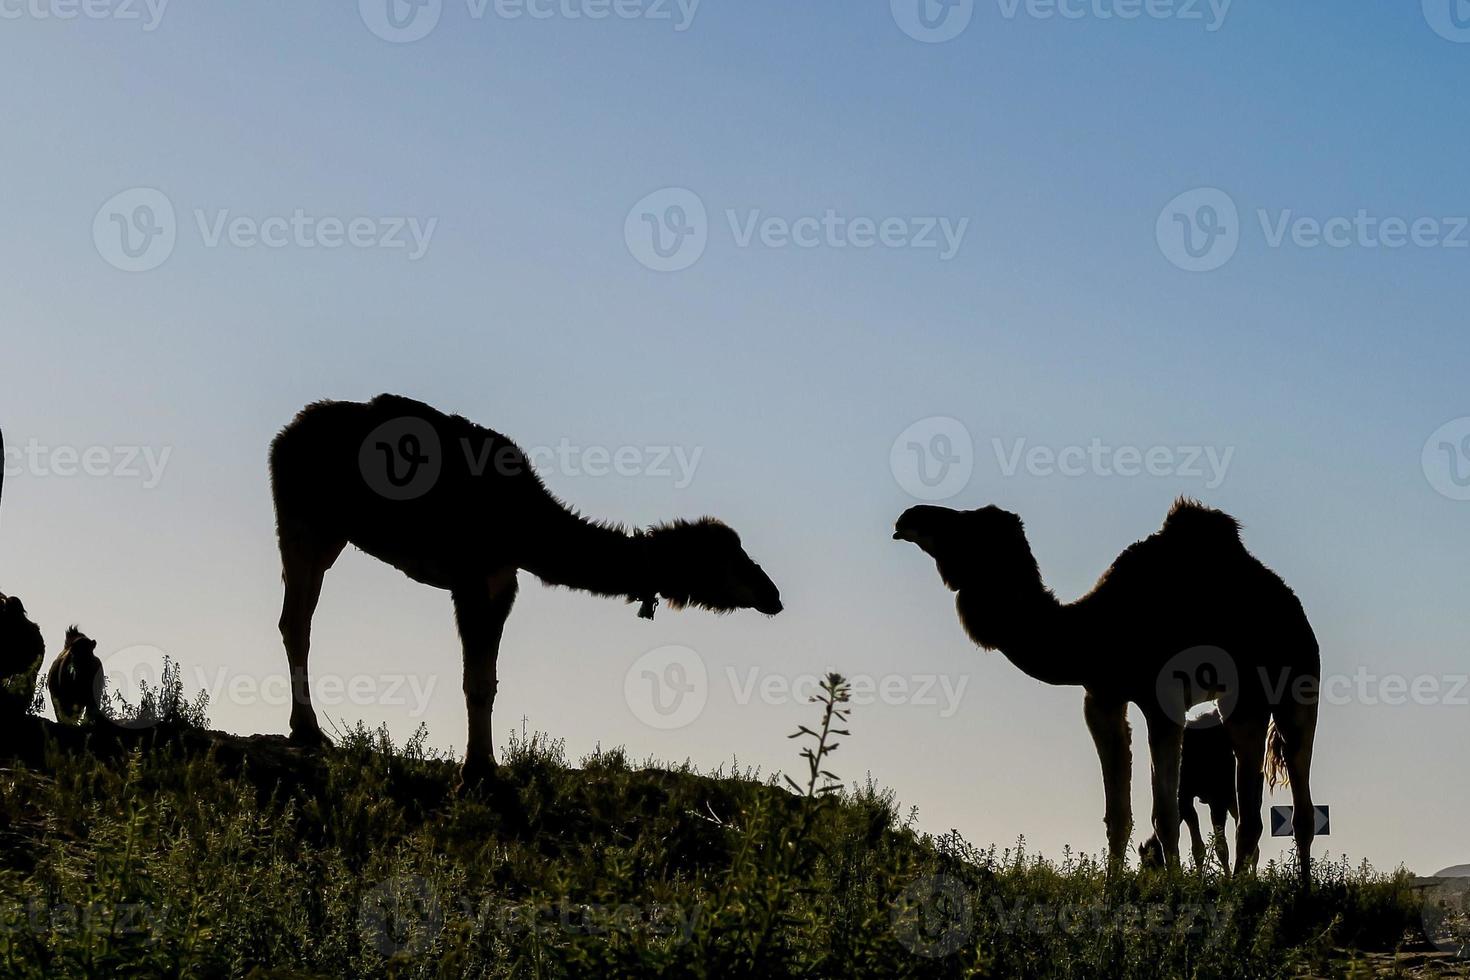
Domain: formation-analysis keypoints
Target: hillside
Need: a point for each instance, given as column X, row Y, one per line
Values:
column 170, row 850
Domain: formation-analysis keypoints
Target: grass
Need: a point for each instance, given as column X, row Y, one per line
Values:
column 188, row 854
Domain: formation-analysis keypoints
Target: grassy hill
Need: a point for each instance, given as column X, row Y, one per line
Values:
column 169, row 850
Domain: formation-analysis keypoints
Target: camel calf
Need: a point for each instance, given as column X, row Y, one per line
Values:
column 75, row 681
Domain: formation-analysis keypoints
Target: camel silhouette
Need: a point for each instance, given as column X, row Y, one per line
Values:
column 1207, row 774
column 1185, row 616
column 21, row 646
column 75, row 681
column 459, row 507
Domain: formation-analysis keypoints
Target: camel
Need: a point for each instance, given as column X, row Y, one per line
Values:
column 1183, row 617
column 21, row 646
column 75, row 681
column 1207, row 774
column 21, row 651
column 459, row 507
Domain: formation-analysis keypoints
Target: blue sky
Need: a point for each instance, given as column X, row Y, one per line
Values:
column 1062, row 318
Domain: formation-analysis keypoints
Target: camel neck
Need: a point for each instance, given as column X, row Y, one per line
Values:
column 577, row 553
column 1035, row 632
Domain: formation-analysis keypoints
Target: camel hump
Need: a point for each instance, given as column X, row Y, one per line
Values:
column 1197, row 524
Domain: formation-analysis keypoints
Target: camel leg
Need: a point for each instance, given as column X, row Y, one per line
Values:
column 1165, row 747
column 1248, row 736
column 1196, row 839
column 1222, row 849
column 481, row 611
column 1299, row 733
column 304, row 563
column 1108, row 722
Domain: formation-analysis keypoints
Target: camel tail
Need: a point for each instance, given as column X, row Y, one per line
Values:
column 1275, row 764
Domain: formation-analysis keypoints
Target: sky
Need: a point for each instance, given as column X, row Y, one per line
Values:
column 1074, row 259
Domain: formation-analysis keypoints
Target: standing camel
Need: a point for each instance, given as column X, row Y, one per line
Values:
column 1182, row 617
column 21, row 648
column 457, row 506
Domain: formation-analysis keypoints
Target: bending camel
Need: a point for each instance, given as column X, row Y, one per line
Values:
column 1182, row 617
column 457, row 506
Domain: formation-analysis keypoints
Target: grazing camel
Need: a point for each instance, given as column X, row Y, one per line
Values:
column 1207, row 774
column 21, row 646
column 457, row 506
column 1182, row 617
column 75, row 681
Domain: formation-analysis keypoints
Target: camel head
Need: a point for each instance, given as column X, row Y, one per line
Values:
column 701, row 563
column 983, row 548
column 20, row 639
column 81, row 646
